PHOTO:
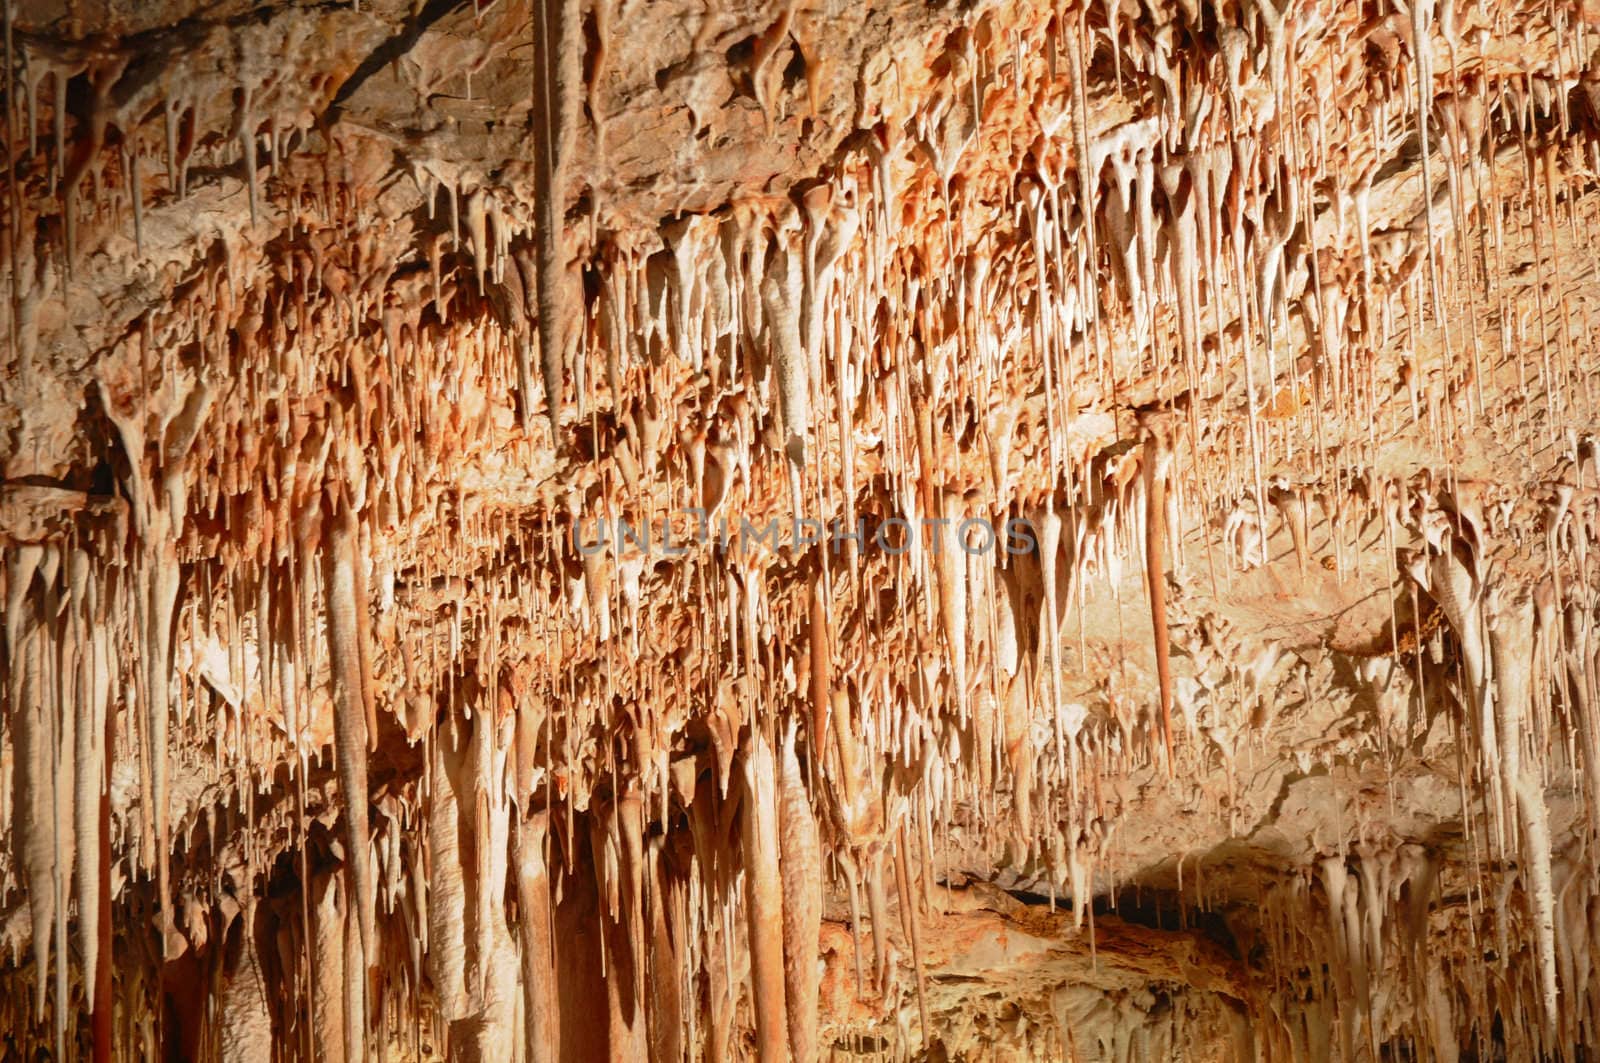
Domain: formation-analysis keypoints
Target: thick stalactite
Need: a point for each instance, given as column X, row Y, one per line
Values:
column 574, row 529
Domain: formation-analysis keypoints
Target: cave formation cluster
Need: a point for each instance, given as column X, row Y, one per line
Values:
column 335, row 337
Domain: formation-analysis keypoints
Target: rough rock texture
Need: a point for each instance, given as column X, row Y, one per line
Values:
column 608, row 528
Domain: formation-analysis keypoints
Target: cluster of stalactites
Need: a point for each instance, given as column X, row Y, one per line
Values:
column 1489, row 941
column 65, row 632
column 1386, row 946
column 841, row 358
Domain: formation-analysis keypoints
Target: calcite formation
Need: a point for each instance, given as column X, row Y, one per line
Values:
column 988, row 529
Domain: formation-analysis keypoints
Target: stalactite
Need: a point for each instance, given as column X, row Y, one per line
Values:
column 763, row 902
column 1510, row 623
column 801, row 869
column 1157, row 464
column 34, row 842
column 447, row 883
column 351, row 696
column 541, row 1007
column 555, row 78
column 328, row 962
column 244, row 1017
column 1453, row 585
column 781, row 292
column 93, row 593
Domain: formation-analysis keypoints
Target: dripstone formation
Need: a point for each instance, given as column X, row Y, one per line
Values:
column 802, row 529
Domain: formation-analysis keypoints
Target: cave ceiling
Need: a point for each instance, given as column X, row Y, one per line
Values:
column 580, row 529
